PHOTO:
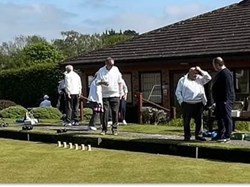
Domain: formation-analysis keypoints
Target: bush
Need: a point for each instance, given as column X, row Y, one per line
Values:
column 87, row 113
column 13, row 112
column 151, row 115
column 30, row 83
column 6, row 103
column 46, row 113
column 178, row 122
column 242, row 126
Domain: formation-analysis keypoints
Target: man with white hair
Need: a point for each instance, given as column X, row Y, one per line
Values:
column 73, row 88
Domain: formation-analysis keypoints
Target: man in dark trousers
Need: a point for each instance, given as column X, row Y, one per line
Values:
column 73, row 88
column 110, row 78
column 191, row 96
column 223, row 96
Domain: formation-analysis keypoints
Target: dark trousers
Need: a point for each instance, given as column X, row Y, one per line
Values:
column 62, row 102
column 72, row 106
column 110, row 115
column 224, row 118
column 122, row 109
column 192, row 111
column 110, row 103
column 95, row 114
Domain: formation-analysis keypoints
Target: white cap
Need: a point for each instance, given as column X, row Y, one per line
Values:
column 46, row 97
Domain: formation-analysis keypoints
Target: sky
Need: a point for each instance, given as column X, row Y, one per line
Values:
column 48, row 18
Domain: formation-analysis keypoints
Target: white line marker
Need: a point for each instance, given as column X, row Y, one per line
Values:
column 76, row 146
column 59, row 143
column 70, row 145
column 89, row 147
column 65, row 145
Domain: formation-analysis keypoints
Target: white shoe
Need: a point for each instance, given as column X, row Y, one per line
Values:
column 109, row 123
column 67, row 124
column 76, row 124
column 124, row 122
column 92, row 128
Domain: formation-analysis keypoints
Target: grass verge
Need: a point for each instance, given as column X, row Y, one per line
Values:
column 30, row 162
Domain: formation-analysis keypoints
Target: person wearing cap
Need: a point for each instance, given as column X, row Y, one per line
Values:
column 46, row 102
column 110, row 78
column 73, row 89
column 191, row 96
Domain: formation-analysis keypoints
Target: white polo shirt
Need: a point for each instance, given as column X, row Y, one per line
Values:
column 113, row 77
column 73, row 84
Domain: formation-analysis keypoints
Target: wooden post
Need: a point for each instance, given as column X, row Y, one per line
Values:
column 140, row 107
column 81, row 109
column 173, row 113
column 83, row 100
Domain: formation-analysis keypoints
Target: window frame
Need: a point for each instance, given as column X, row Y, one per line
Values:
column 158, row 75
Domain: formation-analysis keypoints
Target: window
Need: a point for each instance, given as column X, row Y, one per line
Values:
column 151, row 87
column 241, row 81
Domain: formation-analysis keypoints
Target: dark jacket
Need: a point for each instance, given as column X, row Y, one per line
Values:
column 223, row 87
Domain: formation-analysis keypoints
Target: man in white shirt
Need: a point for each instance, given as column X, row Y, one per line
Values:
column 191, row 96
column 110, row 78
column 46, row 102
column 73, row 88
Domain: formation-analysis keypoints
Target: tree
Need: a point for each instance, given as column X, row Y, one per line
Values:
column 74, row 43
column 30, row 50
column 41, row 52
column 11, row 53
column 111, row 37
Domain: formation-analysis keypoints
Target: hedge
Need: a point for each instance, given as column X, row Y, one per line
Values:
column 27, row 86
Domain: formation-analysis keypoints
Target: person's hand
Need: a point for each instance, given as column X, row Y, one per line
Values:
column 69, row 96
column 124, row 97
column 198, row 68
column 103, row 82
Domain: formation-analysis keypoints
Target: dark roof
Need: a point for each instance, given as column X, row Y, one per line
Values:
column 222, row 31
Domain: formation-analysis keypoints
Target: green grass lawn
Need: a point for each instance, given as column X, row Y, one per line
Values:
column 152, row 129
column 30, row 162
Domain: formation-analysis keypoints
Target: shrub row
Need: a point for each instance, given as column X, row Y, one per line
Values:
column 18, row 112
column 26, row 86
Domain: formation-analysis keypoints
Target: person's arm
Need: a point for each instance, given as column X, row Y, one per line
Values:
column 50, row 105
column 59, row 87
column 80, row 85
column 67, row 86
column 125, row 89
column 99, row 80
column 178, row 91
column 205, row 77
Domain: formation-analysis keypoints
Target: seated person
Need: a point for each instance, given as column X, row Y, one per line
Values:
column 46, row 102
